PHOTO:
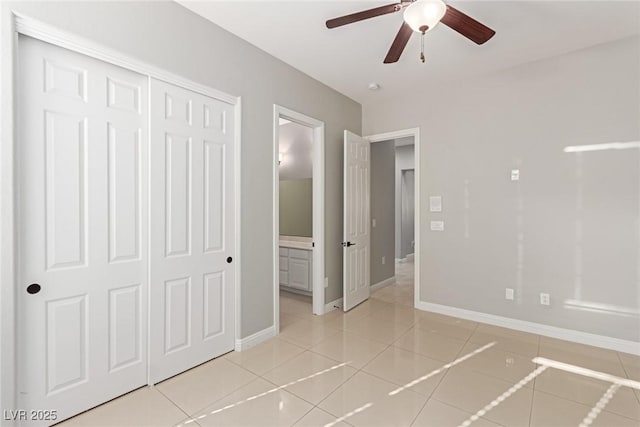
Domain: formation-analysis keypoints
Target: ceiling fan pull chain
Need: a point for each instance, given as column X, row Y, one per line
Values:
column 422, row 48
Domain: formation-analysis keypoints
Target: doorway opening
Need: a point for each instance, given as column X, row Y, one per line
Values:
column 298, row 214
column 395, row 224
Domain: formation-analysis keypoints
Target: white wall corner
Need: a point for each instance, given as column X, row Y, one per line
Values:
column 333, row 305
column 255, row 339
column 580, row 337
column 384, row 283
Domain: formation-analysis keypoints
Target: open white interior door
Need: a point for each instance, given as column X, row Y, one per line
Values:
column 356, row 240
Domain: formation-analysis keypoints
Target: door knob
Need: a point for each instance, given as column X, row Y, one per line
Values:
column 229, row 260
column 33, row 288
column 347, row 244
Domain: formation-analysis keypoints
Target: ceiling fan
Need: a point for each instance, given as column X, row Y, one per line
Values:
column 420, row 16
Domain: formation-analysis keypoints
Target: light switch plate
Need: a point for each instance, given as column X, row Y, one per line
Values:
column 508, row 294
column 435, row 204
column 373, row 223
column 437, row 225
column 515, row 174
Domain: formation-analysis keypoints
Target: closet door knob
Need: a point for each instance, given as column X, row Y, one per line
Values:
column 229, row 260
column 33, row 288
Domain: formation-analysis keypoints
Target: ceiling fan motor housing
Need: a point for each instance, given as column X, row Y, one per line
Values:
column 422, row 15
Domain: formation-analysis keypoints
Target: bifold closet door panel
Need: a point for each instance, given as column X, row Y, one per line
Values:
column 82, row 230
column 192, row 229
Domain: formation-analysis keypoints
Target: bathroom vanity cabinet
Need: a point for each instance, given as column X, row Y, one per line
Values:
column 296, row 267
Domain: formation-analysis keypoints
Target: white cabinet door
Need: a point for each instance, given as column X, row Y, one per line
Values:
column 356, row 242
column 299, row 273
column 81, row 165
column 192, row 229
column 284, row 263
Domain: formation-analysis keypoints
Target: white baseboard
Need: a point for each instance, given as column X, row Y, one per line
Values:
column 386, row 282
column 333, row 305
column 610, row 343
column 255, row 339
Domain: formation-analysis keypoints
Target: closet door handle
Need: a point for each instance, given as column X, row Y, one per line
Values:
column 229, row 260
column 33, row 288
column 347, row 244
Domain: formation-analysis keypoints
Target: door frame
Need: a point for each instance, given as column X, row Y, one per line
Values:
column 415, row 133
column 12, row 25
column 318, row 208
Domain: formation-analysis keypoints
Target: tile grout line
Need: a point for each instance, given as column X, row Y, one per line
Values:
column 626, row 372
column 504, row 396
column 313, row 406
column 533, row 392
column 626, row 417
column 192, row 417
column 189, row 417
column 443, row 376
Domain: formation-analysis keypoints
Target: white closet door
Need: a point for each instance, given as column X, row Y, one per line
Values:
column 192, row 229
column 82, row 291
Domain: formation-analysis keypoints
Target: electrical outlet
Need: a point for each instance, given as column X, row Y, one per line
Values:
column 508, row 294
column 545, row 299
column 326, row 282
column 515, row 174
column 437, row 225
column 373, row 223
column 384, row 260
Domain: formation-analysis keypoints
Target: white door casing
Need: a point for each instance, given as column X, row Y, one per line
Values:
column 357, row 239
column 82, row 156
column 192, row 229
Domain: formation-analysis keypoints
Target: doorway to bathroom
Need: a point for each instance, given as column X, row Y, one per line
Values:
column 298, row 216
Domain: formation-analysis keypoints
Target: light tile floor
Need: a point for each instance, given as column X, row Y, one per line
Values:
column 386, row 364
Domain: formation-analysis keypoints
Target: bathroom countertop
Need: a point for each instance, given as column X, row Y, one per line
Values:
column 296, row 242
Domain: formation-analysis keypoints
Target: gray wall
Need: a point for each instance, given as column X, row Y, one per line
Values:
column 169, row 36
column 405, row 159
column 296, row 143
column 570, row 226
column 296, row 207
column 407, row 209
column 382, row 210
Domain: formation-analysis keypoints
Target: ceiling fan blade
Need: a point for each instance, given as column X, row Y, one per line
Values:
column 467, row 26
column 399, row 43
column 365, row 14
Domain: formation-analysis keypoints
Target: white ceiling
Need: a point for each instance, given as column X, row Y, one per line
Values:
column 350, row 57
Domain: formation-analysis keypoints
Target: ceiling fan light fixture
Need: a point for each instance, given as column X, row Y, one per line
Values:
column 423, row 15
